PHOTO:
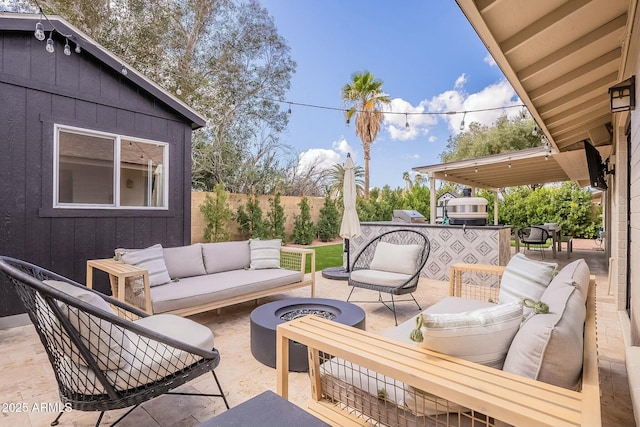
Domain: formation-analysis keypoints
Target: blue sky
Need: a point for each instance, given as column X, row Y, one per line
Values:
column 426, row 53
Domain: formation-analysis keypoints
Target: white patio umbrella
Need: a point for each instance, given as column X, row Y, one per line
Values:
column 350, row 226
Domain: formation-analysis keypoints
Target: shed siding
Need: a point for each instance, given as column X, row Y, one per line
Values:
column 38, row 90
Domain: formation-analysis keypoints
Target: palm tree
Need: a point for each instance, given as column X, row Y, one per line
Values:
column 336, row 181
column 364, row 97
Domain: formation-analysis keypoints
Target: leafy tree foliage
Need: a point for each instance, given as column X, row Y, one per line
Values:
column 329, row 220
column 217, row 216
column 304, row 231
column 224, row 58
column 568, row 205
column 503, row 136
column 276, row 218
column 364, row 97
column 249, row 219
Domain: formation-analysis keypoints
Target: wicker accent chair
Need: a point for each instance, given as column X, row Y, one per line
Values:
column 391, row 263
column 534, row 236
column 106, row 354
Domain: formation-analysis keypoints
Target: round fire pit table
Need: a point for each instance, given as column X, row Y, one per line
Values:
column 267, row 317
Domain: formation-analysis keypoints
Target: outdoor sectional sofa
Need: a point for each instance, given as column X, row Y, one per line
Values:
column 548, row 376
column 200, row 277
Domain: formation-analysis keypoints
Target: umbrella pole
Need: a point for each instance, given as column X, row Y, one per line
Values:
column 346, row 248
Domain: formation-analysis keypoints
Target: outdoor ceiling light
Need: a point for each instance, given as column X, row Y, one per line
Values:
column 623, row 95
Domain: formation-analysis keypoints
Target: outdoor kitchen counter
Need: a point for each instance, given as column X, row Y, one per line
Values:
column 450, row 244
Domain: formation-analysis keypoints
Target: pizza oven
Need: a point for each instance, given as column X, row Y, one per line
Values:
column 467, row 210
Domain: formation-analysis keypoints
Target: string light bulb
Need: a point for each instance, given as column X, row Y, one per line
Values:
column 509, row 165
column 476, row 170
column 534, row 132
column 406, row 121
column 179, row 90
column 67, row 48
column 78, row 48
column 39, row 32
column 289, row 110
column 462, row 122
column 50, row 47
column 124, row 70
column 445, row 173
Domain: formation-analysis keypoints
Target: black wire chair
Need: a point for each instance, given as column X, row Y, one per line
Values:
column 534, row 236
column 405, row 284
column 104, row 354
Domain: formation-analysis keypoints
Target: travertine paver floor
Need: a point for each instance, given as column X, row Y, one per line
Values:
column 26, row 377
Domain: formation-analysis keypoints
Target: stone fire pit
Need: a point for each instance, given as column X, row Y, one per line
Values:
column 267, row 317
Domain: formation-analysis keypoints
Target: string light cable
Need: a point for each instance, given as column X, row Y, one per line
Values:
column 406, row 114
column 39, row 34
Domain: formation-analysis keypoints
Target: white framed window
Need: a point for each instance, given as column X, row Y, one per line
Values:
column 99, row 170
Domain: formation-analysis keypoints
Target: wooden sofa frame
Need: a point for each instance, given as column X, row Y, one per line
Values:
column 501, row 396
column 291, row 258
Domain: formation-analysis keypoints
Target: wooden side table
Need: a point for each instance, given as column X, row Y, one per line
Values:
column 118, row 272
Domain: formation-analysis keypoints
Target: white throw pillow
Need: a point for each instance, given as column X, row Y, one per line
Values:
column 481, row 336
column 106, row 342
column 151, row 259
column 525, row 278
column 396, row 258
column 265, row 253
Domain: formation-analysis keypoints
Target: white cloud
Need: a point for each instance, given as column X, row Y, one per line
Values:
column 319, row 159
column 460, row 81
column 342, row 146
column 401, row 112
column 496, row 97
column 489, row 60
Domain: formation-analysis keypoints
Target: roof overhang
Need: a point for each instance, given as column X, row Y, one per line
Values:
column 534, row 166
column 561, row 57
column 27, row 22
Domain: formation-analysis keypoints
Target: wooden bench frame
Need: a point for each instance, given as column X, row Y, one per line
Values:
column 291, row 259
column 501, row 395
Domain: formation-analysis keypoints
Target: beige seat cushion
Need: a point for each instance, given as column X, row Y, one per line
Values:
column 152, row 360
column 395, row 258
column 525, row 278
column 226, row 256
column 380, row 277
column 549, row 347
column 184, row 261
column 106, row 342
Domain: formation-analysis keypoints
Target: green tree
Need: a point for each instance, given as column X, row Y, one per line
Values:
column 335, row 179
column 224, row 58
column 249, row 219
column 503, row 136
column 567, row 204
column 216, row 215
column 303, row 229
column 328, row 220
column 364, row 97
column 275, row 220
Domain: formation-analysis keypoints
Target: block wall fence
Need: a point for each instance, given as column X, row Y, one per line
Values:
column 289, row 203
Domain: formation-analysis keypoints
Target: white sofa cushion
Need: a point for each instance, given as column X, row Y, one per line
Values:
column 525, row 278
column 395, row 258
column 482, row 336
column 151, row 259
column 184, row 261
column 226, row 256
column 105, row 341
column 265, row 253
column 549, row 347
column 200, row 290
column 159, row 359
column 379, row 277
